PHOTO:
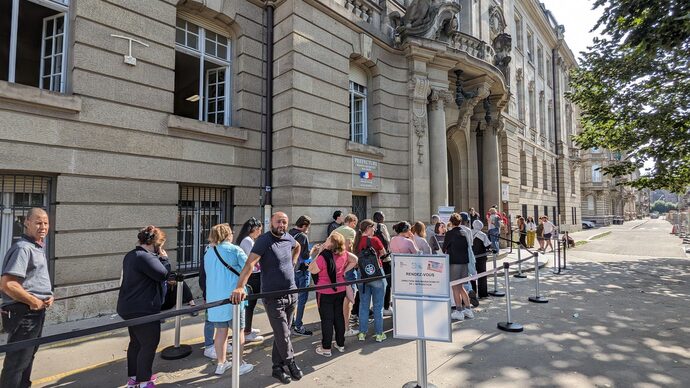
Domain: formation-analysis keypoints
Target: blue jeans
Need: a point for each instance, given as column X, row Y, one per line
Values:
column 372, row 293
column 493, row 236
column 302, row 279
column 208, row 332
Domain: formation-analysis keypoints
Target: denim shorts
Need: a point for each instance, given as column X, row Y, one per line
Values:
column 228, row 324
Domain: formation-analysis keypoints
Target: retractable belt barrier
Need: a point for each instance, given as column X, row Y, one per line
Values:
column 164, row 315
column 483, row 274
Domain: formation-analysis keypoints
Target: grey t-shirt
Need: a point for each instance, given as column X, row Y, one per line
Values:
column 27, row 260
column 277, row 270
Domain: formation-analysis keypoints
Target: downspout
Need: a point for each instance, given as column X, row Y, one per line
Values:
column 556, row 122
column 268, row 118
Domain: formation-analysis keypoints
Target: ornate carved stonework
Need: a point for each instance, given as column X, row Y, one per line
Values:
column 419, row 91
column 519, row 74
column 497, row 22
column 470, row 101
column 431, row 19
column 502, row 44
column 530, row 85
column 439, row 98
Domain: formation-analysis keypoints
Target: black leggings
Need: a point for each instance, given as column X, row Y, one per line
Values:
column 387, row 297
column 143, row 341
column 331, row 313
column 480, row 285
column 255, row 282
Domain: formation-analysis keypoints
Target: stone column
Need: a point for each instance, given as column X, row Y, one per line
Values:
column 419, row 151
column 438, row 148
column 491, row 171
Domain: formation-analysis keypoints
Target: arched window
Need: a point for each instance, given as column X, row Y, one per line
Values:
column 523, row 168
column 202, row 73
column 358, row 104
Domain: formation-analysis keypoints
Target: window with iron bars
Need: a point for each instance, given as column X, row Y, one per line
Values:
column 18, row 194
column 199, row 209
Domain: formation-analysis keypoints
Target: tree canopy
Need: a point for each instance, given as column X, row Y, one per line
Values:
column 633, row 90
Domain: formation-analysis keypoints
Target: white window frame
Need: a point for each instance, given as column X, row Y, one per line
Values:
column 596, row 173
column 61, row 6
column 356, row 94
column 530, row 46
column 200, row 52
column 540, row 59
column 519, row 32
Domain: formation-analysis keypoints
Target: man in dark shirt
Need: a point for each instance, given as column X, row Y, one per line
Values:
column 277, row 252
column 26, row 294
column 337, row 222
column 302, row 275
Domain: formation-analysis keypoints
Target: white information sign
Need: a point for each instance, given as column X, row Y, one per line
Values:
column 421, row 275
column 417, row 318
column 444, row 213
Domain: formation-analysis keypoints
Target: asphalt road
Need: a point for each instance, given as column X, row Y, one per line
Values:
column 618, row 317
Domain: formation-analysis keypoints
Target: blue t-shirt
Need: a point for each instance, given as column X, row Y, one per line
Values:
column 277, row 270
column 220, row 281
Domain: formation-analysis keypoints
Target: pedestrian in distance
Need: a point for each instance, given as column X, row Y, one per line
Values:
column 381, row 232
column 329, row 267
column 495, row 223
column 482, row 247
column 371, row 293
column 473, row 216
column 540, row 234
column 347, row 230
column 277, row 252
column 142, row 292
column 250, row 231
column 456, row 246
column 435, row 219
column 549, row 229
column 522, row 231
column 436, row 240
column 531, row 232
column 419, row 232
column 336, row 223
column 26, row 294
column 302, row 275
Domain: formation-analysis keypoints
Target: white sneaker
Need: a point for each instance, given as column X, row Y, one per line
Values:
column 210, row 352
column 256, row 331
column 457, row 315
column 253, row 337
column 468, row 313
column 221, row 368
column 245, row 368
column 388, row 312
column 351, row 333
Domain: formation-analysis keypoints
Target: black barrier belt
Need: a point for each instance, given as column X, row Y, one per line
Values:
column 486, row 273
column 516, row 242
column 186, row 276
column 164, row 315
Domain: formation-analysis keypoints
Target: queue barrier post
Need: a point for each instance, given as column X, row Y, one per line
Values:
column 537, row 298
column 236, row 354
column 422, row 381
column 177, row 351
column 495, row 291
column 519, row 275
column 565, row 249
column 509, row 325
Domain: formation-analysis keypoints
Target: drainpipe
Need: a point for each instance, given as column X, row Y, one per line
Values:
column 268, row 118
column 556, row 121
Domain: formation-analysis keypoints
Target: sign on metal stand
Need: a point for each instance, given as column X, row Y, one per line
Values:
column 421, row 289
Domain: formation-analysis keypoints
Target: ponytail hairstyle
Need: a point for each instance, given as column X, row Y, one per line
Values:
column 402, row 227
column 248, row 227
column 360, row 232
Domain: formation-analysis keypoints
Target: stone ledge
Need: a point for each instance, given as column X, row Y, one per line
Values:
column 30, row 95
column 201, row 130
column 364, row 149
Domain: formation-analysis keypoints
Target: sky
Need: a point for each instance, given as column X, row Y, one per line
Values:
column 578, row 18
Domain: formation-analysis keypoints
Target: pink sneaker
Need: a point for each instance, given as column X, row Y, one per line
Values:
column 131, row 382
column 146, row 384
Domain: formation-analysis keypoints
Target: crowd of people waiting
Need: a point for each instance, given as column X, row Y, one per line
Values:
column 281, row 259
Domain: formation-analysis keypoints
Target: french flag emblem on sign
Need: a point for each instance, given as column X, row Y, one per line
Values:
column 366, row 175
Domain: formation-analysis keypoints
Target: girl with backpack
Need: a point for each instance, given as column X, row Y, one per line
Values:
column 371, row 293
column 331, row 263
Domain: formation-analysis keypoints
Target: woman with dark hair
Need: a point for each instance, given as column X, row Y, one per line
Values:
column 403, row 242
column 457, row 247
column 330, row 265
column 436, row 240
column 144, row 271
column 522, row 230
column 381, row 232
column 250, row 231
column 371, row 293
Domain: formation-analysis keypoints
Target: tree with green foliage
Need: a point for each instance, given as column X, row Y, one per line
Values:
column 633, row 90
column 661, row 206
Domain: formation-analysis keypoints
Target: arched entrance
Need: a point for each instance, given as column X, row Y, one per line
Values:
column 458, row 171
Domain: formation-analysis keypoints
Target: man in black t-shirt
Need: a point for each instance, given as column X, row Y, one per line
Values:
column 277, row 252
column 302, row 275
column 337, row 222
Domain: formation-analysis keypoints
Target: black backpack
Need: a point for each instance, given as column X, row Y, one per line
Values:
column 368, row 262
column 379, row 233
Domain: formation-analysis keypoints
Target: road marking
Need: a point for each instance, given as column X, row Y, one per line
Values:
column 192, row 341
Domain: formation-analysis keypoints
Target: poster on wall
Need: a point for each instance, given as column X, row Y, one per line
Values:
column 365, row 174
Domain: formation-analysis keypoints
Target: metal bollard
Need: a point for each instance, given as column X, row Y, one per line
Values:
column 177, row 351
column 519, row 275
column 509, row 325
column 495, row 291
column 565, row 249
column 537, row 298
column 236, row 355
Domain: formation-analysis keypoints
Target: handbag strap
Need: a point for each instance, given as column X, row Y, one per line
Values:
column 224, row 263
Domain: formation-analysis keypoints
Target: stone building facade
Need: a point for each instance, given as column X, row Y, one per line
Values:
column 399, row 106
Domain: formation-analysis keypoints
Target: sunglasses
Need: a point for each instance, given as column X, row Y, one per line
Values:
column 253, row 222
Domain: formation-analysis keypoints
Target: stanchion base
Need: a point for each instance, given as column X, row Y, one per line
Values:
column 413, row 384
column 497, row 293
column 538, row 299
column 173, row 353
column 520, row 276
column 510, row 327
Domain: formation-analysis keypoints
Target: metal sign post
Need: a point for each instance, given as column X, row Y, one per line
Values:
column 177, row 351
column 537, row 298
column 508, row 325
column 495, row 291
column 519, row 275
column 236, row 354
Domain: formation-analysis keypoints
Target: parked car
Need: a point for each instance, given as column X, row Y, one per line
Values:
column 588, row 225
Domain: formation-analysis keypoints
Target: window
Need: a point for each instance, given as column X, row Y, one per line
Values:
column 596, row 150
column 536, row 213
column 548, row 71
column 572, row 182
column 546, row 210
column 521, row 98
column 549, row 127
column 530, row 46
column 545, row 175
column 202, row 74
column 359, row 206
column 554, row 215
column 524, row 211
column 518, row 31
column 553, row 178
column 540, row 59
column 532, row 107
column 18, row 194
column 33, row 43
column 523, row 168
column 199, row 208
column 573, row 212
column 535, row 174
column 358, row 105
column 590, row 203
column 596, row 173
column 542, row 114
